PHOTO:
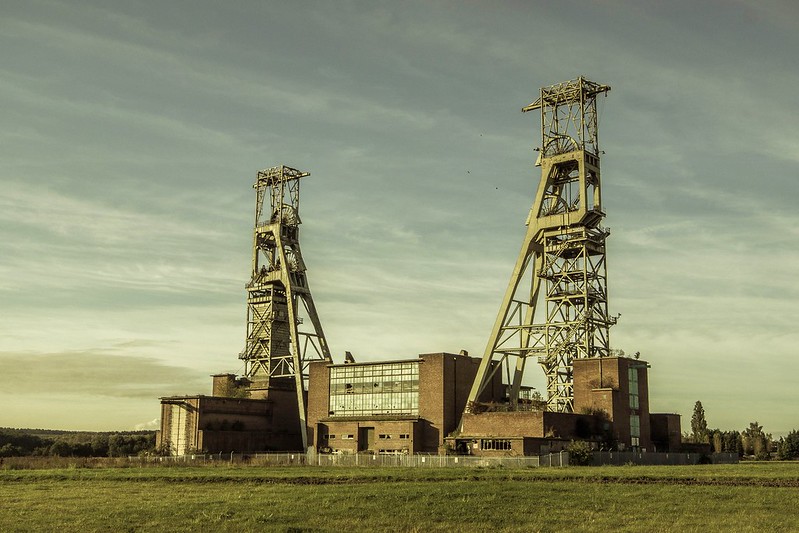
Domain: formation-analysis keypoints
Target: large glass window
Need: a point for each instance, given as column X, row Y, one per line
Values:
column 365, row 390
column 635, row 430
column 632, row 374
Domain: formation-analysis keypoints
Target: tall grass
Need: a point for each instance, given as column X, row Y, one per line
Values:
column 238, row 498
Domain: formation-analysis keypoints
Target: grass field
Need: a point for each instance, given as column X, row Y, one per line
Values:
column 745, row 497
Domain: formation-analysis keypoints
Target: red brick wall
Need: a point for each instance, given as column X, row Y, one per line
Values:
column 508, row 424
column 433, row 397
column 444, row 383
column 390, row 428
column 603, row 383
column 318, row 397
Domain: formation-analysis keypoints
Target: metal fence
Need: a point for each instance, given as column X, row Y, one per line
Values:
column 365, row 460
column 440, row 461
column 649, row 458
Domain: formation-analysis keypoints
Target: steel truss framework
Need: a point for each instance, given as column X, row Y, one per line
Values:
column 283, row 329
column 563, row 255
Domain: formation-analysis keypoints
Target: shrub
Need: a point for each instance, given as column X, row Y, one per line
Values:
column 788, row 447
column 580, row 453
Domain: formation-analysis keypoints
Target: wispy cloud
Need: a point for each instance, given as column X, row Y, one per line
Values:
column 96, row 372
column 131, row 135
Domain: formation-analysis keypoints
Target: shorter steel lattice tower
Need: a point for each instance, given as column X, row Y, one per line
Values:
column 280, row 343
column 564, row 248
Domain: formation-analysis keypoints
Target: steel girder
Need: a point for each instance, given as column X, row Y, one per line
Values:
column 563, row 313
column 283, row 329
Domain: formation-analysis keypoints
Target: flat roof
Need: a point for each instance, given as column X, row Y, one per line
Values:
column 419, row 358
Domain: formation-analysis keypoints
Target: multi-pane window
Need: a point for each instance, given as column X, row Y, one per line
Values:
column 632, row 374
column 635, row 430
column 365, row 390
column 495, row 444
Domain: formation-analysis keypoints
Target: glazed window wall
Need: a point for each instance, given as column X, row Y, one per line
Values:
column 635, row 430
column 632, row 375
column 366, row 390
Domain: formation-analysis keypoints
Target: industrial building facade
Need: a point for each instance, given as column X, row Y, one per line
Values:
column 406, row 406
column 554, row 312
column 226, row 422
column 415, row 406
column 611, row 411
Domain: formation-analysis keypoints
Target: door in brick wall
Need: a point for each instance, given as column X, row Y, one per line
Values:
column 366, row 439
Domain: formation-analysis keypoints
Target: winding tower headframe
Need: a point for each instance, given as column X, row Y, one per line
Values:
column 283, row 329
column 562, row 314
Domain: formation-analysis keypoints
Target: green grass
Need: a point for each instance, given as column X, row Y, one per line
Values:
column 742, row 497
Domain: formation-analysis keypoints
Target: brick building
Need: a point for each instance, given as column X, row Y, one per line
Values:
column 406, row 406
column 225, row 423
column 415, row 406
column 611, row 410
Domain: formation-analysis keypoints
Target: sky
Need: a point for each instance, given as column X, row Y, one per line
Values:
column 132, row 133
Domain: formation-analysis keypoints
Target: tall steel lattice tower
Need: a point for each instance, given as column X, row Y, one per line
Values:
column 563, row 252
column 280, row 342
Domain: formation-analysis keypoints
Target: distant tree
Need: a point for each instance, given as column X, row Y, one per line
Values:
column 717, row 439
column 19, row 443
column 9, row 450
column 755, row 441
column 99, row 445
column 537, row 401
column 61, row 448
column 699, row 424
column 731, row 442
column 23, row 442
column 788, row 447
column 122, row 444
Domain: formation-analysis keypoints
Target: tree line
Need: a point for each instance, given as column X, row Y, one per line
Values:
column 752, row 441
column 25, row 442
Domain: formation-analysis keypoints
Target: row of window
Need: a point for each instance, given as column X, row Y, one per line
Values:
column 370, row 386
column 350, row 436
column 495, row 444
column 366, row 390
column 364, row 371
column 389, row 451
column 406, row 403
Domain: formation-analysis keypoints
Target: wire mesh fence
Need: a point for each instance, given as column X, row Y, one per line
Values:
column 559, row 459
column 365, row 460
column 644, row 458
